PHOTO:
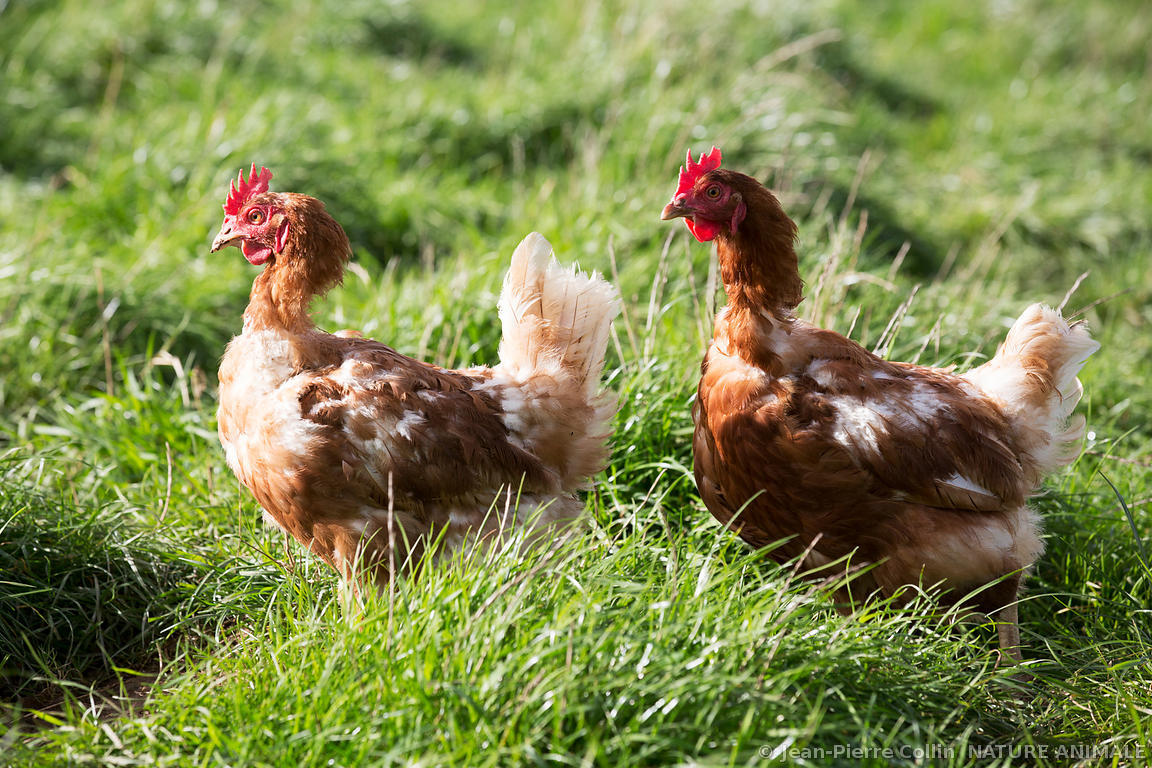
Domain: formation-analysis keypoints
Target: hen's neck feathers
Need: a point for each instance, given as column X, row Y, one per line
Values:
column 311, row 263
column 760, row 271
column 758, row 262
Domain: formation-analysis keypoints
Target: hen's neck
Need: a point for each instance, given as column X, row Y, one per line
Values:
column 278, row 303
column 311, row 262
column 758, row 264
column 761, row 276
column 277, row 320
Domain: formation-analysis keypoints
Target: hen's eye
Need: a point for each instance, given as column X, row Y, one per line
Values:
column 713, row 192
column 255, row 216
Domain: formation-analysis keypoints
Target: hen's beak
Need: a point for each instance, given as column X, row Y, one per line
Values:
column 677, row 208
column 226, row 237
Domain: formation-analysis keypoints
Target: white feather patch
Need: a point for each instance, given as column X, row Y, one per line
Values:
column 857, row 424
column 957, row 480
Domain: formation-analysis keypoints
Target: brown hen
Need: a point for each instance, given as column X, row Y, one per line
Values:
column 364, row 455
column 802, row 434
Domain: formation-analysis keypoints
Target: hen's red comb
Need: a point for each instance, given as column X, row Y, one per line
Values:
column 240, row 191
column 690, row 171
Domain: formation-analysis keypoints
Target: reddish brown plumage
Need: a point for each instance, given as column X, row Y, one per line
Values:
column 365, row 455
column 918, row 472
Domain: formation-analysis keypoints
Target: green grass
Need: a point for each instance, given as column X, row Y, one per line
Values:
column 986, row 152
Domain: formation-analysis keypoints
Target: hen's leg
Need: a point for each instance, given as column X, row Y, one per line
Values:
column 1008, row 626
column 1000, row 602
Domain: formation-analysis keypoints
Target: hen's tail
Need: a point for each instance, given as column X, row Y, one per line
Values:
column 555, row 319
column 556, row 322
column 1033, row 376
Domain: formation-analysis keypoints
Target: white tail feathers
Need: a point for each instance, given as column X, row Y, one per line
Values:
column 556, row 322
column 1033, row 376
column 555, row 319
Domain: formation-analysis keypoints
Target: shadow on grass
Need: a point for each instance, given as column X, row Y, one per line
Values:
column 427, row 202
column 887, row 233
column 400, row 226
column 842, row 63
column 412, row 37
column 80, row 597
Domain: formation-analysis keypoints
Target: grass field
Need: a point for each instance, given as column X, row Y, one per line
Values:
column 959, row 161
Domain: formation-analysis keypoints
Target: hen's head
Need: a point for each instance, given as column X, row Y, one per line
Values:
column 756, row 237
column 712, row 200
column 293, row 234
column 254, row 219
